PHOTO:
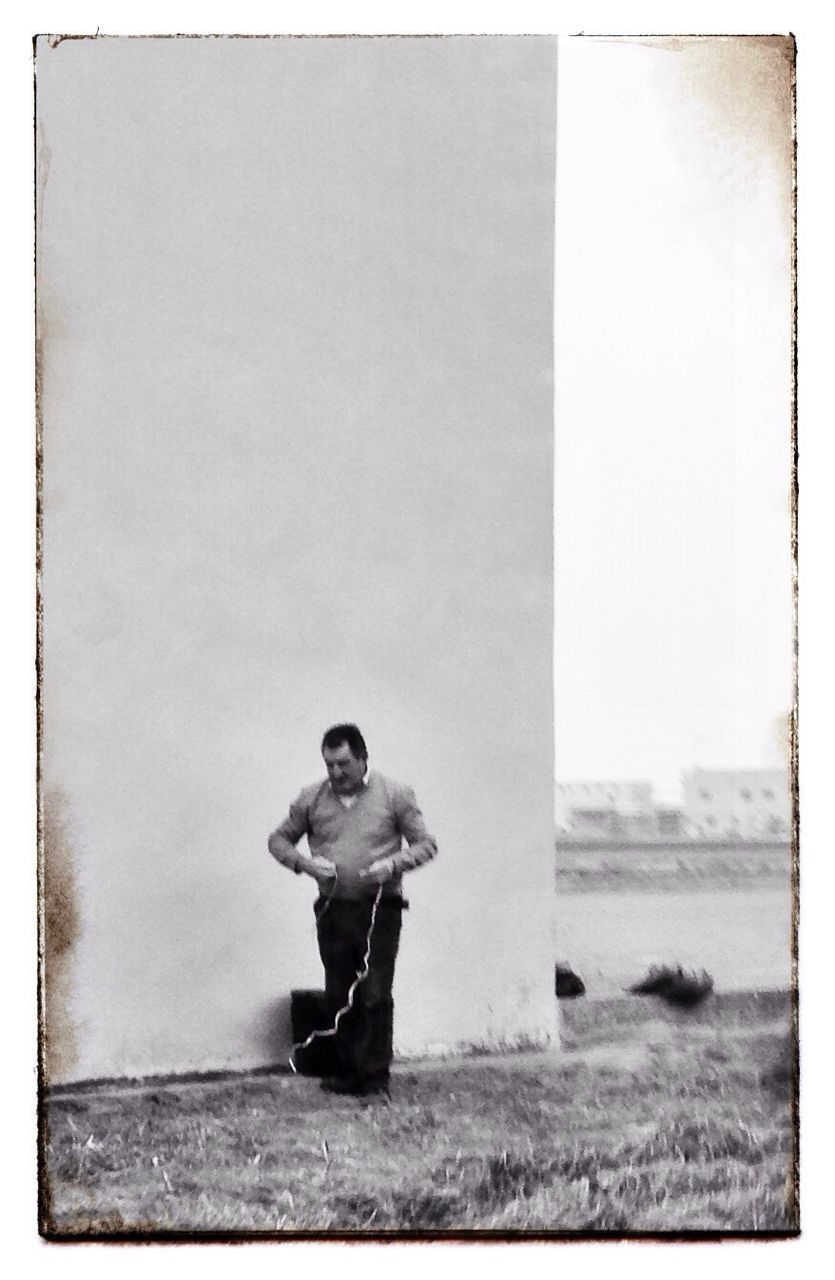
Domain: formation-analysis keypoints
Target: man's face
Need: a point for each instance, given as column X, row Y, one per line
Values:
column 345, row 770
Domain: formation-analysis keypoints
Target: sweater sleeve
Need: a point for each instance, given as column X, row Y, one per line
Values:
column 282, row 843
column 422, row 846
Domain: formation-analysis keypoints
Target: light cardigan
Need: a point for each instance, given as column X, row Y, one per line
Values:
column 385, row 814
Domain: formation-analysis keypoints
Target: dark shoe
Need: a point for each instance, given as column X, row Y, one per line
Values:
column 356, row 1088
column 370, row 1088
column 336, row 1084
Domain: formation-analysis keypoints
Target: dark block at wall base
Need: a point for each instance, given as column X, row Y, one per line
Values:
column 309, row 1013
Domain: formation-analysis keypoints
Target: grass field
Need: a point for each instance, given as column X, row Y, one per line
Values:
column 649, row 1120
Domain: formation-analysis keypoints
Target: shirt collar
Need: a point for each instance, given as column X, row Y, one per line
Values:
column 363, row 785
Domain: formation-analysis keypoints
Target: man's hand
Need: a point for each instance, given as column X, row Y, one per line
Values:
column 379, row 871
column 322, row 869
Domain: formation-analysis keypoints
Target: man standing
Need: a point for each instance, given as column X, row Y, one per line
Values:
column 355, row 822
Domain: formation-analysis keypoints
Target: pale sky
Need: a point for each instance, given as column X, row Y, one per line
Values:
column 673, row 408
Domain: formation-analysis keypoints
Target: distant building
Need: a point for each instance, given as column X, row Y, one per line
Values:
column 670, row 821
column 617, row 797
column 744, row 803
column 616, row 809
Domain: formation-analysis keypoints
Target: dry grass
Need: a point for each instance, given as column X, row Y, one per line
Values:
column 659, row 1124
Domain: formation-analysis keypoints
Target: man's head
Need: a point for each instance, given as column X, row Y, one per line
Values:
column 346, row 757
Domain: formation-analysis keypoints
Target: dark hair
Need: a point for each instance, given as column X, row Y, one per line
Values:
column 350, row 735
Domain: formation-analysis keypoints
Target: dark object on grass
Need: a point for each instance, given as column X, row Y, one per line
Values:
column 309, row 1012
column 567, row 983
column 655, row 983
column 674, row 985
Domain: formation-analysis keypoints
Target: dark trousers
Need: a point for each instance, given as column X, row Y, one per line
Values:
column 364, row 1036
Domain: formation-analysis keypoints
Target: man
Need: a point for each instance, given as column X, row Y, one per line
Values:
column 355, row 822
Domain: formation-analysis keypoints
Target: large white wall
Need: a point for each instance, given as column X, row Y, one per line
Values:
column 296, row 385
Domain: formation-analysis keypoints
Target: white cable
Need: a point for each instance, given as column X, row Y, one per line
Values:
column 361, row 975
